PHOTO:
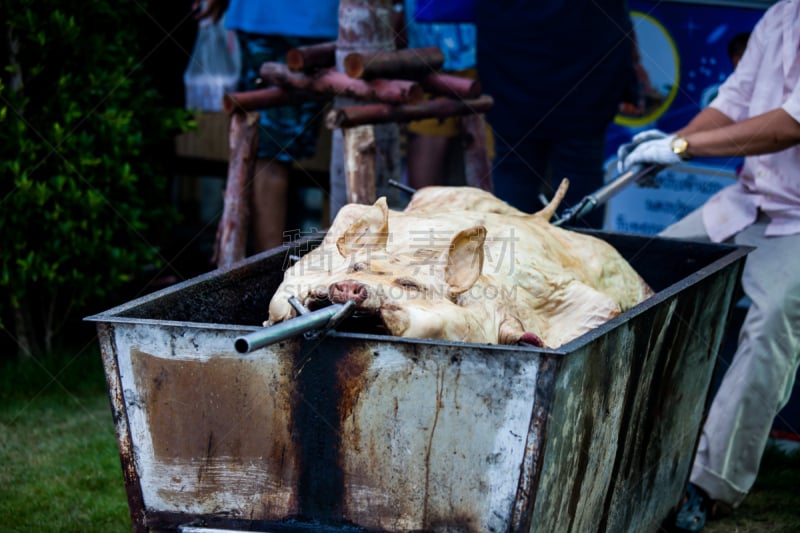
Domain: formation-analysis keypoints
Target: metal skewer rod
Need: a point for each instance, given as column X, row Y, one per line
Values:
column 299, row 307
column 313, row 320
column 602, row 195
column 402, row 186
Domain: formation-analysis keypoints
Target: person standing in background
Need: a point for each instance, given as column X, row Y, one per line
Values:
column 430, row 140
column 557, row 70
column 737, row 46
column 266, row 30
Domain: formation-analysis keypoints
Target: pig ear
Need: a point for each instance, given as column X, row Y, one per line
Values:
column 370, row 231
column 465, row 259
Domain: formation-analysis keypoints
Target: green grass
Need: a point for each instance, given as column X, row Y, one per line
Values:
column 59, row 464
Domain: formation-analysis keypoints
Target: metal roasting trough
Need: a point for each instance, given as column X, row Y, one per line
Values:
column 356, row 431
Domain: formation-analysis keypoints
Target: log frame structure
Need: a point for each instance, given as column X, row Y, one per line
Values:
column 373, row 87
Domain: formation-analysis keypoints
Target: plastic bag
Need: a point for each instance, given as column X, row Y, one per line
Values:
column 213, row 67
column 445, row 11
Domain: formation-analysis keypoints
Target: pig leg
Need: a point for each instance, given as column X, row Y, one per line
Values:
column 512, row 331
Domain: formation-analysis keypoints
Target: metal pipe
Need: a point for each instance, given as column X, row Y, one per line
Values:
column 599, row 197
column 288, row 329
column 402, row 186
column 299, row 307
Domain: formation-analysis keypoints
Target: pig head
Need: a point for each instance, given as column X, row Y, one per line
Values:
column 481, row 273
column 413, row 291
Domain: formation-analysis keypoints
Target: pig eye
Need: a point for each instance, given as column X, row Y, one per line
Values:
column 407, row 284
column 359, row 267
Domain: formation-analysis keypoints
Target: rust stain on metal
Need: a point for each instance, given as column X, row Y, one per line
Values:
column 122, row 428
column 530, row 468
column 221, row 416
column 436, row 411
column 351, row 377
column 217, row 407
column 416, row 416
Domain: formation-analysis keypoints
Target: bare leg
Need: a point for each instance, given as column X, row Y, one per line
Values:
column 426, row 160
column 270, row 187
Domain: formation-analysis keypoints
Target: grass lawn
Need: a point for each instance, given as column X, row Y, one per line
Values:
column 773, row 505
column 59, row 464
column 60, row 470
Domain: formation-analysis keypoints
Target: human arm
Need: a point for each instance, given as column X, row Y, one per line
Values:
column 712, row 134
column 709, row 118
column 726, row 128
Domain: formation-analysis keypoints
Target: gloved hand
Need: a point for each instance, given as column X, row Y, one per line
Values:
column 636, row 140
column 658, row 151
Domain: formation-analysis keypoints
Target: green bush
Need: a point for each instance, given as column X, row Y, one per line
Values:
column 82, row 192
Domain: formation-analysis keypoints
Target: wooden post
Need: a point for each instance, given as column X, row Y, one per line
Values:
column 359, row 163
column 231, row 238
column 365, row 26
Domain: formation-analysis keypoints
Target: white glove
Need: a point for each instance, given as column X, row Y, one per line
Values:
column 636, row 140
column 658, row 151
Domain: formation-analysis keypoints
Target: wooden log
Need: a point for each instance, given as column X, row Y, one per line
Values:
column 314, row 56
column 335, row 83
column 353, row 116
column 365, row 26
column 267, row 98
column 231, row 237
column 449, row 85
column 255, row 100
column 359, row 150
column 410, row 63
column 477, row 166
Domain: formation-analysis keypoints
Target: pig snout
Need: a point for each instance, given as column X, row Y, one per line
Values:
column 343, row 291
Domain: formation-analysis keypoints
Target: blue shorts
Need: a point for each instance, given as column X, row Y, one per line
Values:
column 286, row 132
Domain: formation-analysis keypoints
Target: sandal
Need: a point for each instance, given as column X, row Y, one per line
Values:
column 693, row 511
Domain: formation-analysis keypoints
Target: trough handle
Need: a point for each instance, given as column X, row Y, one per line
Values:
column 322, row 319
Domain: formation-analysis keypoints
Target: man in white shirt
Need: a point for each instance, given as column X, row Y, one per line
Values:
column 756, row 114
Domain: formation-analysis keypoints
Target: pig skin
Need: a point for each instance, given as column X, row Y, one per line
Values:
column 459, row 264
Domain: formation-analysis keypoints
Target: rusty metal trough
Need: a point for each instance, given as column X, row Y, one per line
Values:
column 362, row 432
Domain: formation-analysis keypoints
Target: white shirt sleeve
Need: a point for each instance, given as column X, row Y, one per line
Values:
column 792, row 104
column 735, row 94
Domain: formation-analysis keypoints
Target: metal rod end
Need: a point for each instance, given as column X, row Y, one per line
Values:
column 241, row 344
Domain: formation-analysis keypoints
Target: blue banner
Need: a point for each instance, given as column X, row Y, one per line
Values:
column 683, row 53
